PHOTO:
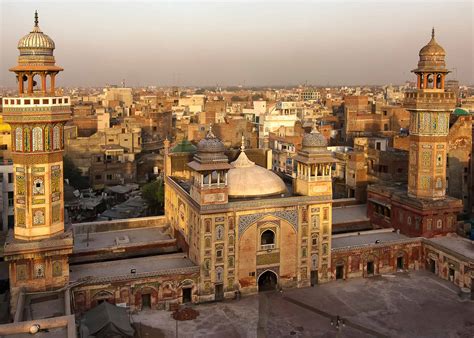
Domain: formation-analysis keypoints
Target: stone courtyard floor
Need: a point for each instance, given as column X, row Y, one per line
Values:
column 414, row 304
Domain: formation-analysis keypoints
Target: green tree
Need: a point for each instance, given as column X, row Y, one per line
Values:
column 74, row 175
column 154, row 195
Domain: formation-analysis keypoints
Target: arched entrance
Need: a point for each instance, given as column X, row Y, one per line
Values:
column 267, row 281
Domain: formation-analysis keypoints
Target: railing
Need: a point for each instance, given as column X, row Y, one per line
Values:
column 267, row 246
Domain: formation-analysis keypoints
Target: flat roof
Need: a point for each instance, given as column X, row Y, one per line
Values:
column 126, row 237
column 160, row 264
column 459, row 245
column 347, row 214
column 366, row 238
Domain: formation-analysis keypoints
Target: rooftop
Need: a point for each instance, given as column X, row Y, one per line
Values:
column 366, row 238
column 119, row 238
column 462, row 246
column 348, row 214
column 150, row 265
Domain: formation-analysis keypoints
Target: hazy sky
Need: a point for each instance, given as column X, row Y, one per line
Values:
column 240, row 42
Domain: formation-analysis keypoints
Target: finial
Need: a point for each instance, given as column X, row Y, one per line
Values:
column 432, row 33
column 36, row 19
column 314, row 129
column 242, row 145
column 210, row 134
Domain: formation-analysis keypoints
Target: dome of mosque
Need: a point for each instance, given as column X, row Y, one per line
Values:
column 36, row 42
column 246, row 179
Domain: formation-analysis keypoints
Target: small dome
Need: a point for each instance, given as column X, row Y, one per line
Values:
column 314, row 140
column 210, row 144
column 432, row 48
column 246, row 179
column 36, row 42
column 432, row 56
column 184, row 147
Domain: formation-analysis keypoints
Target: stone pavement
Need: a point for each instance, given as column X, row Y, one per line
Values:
column 415, row 304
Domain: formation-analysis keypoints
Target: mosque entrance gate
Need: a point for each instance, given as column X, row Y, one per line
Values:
column 267, row 281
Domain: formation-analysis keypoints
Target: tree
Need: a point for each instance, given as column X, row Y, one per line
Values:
column 74, row 175
column 154, row 195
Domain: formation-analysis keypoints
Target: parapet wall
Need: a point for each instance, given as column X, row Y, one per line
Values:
column 122, row 224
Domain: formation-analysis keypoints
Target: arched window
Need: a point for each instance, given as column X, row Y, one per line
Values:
column 439, row 224
column 430, row 81
column 37, row 139
column 267, row 239
column 19, row 139
column 56, row 138
column 438, row 81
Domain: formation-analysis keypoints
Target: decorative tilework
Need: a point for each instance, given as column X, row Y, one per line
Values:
column 291, row 216
column 20, row 217
column 20, row 185
column 38, row 216
column 56, row 213
column 55, row 180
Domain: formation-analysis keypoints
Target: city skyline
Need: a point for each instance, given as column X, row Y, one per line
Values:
column 228, row 43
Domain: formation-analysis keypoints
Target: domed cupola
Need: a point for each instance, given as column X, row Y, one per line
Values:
column 210, row 149
column 432, row 56
column 36, row 46
column 314, row 142
column 36, row 70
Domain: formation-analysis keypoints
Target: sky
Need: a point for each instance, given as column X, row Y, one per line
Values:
column 250, row 43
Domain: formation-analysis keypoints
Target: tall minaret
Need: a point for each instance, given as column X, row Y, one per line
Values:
column 37, row 117
column 429, row 106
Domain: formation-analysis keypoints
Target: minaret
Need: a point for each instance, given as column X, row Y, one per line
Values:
column 430, row 106
column 37, row 117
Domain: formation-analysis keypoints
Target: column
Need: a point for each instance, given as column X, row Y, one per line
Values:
column 43, row 82
column 21, row 88
column 30, row 83
column 53, row 78
column 418, row 80
column 425, row 76
column 442, row 81
column 218, row 178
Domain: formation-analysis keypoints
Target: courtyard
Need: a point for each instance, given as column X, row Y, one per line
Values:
column 410, row 304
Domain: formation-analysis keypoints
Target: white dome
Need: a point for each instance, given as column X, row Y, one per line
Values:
column 247, row 179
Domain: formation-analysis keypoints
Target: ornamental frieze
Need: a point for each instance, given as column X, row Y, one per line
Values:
column 291, row 216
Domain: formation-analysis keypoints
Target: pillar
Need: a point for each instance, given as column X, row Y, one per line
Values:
column 425, row 80
column 418, row 80
column 30, row 83
column 21, row 88
column 43, row 82
column 53, row 78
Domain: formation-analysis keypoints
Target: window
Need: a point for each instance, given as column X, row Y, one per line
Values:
column 267, row 240
column 10, row 177
column 10, row 198
column 439, row 224
column 98, row 177
column 109, row 177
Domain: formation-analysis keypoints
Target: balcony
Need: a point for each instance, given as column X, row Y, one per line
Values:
column 267, row 247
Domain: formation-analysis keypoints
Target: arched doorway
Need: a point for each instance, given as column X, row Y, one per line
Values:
column 267, row 281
